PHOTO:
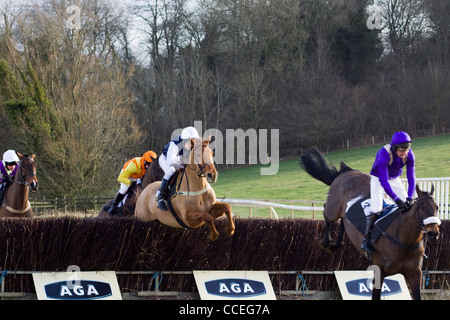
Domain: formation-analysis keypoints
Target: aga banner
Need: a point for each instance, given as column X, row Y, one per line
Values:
column 235, row 285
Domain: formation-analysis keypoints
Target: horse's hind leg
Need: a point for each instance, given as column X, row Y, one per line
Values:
column 325, row 243
column 340, row 239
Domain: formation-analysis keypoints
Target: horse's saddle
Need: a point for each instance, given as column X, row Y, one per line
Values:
column 355, row 214
column 174, row 184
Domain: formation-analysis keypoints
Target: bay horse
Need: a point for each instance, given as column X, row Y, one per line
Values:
column 153, row 173
column 402, row 249
column 15, row 201
column 195, row 204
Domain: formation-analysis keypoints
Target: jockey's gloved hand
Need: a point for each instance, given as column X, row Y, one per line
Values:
column 400, row 203
column 409, row 202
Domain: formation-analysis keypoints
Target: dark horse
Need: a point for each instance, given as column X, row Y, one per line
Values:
column 153, row 173
column 403, row 252
column 15, row 201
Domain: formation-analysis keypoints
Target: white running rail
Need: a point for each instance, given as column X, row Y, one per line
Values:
column 441, row 192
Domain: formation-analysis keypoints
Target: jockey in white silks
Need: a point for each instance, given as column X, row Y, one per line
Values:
column 171, row 160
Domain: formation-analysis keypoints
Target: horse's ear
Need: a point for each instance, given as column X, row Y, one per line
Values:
column 33, row 156
column 432, row 189
column 20, row 155
column 419, row 192
column 192, row 142
column 207, row 140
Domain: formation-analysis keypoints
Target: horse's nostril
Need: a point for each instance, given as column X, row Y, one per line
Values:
column 433, row 236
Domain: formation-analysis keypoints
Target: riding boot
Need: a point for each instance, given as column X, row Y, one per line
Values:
column 366, row 244
column 119, row 197
column 161, row 195
column 2, row 192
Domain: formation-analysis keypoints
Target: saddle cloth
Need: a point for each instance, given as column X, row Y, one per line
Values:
column 355, row 214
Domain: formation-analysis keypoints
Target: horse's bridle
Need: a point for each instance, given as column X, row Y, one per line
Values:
column 429, row 220
column 199, row 166
column 422, row 223
column 23, row 181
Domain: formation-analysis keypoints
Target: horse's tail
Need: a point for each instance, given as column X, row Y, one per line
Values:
column 315, row 164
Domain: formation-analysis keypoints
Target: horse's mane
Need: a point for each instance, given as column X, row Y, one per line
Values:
column 315, row 164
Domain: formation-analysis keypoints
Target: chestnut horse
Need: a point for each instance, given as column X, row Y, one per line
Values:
column 15, row 201
column 153, row 173
column 400, row 249
column 195, row 203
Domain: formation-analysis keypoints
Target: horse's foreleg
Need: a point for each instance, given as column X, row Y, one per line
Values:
column 414, row 281
column 220, row 208
column 378, row 284
column 195, row 218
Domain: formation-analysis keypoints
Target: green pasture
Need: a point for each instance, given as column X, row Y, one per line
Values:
column 292, row 183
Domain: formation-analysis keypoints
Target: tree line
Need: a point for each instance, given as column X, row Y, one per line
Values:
column 87, row 99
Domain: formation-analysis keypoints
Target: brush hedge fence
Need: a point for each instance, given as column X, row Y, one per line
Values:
column 127, row 244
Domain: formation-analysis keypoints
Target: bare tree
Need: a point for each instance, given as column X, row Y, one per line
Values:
column 82, row 90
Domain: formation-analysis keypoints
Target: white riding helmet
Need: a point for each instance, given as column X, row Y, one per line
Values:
column 189, row 132
column 10, row 156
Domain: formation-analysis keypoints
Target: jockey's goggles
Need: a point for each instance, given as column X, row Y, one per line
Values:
column 12, row 163
column 402, row 147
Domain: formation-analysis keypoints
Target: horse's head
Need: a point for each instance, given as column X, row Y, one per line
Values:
column 202, row 158
column 427, row 213
column 26, row 171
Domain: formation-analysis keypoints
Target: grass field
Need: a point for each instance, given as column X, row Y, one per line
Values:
column 292, row 183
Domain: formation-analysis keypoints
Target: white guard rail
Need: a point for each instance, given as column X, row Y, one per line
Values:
column 441, row 192
column 271, row 205
column 441, row 195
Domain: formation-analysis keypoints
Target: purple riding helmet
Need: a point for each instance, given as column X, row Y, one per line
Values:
column 401, row 140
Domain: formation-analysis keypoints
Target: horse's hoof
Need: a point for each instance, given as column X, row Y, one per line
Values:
column 229, row 233
column 213, row 237
column 325, row 246
column 334, row 247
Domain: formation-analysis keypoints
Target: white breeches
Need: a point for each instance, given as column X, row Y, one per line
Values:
column 377, row 194
column 123, row 187
column 168, row 169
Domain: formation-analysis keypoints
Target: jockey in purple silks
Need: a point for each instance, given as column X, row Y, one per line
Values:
column 8, row 168
column 385, row 178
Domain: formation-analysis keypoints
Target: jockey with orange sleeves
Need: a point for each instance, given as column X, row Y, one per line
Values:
column 132, row 172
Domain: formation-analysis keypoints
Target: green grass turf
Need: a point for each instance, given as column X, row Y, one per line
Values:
column 292, row 183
